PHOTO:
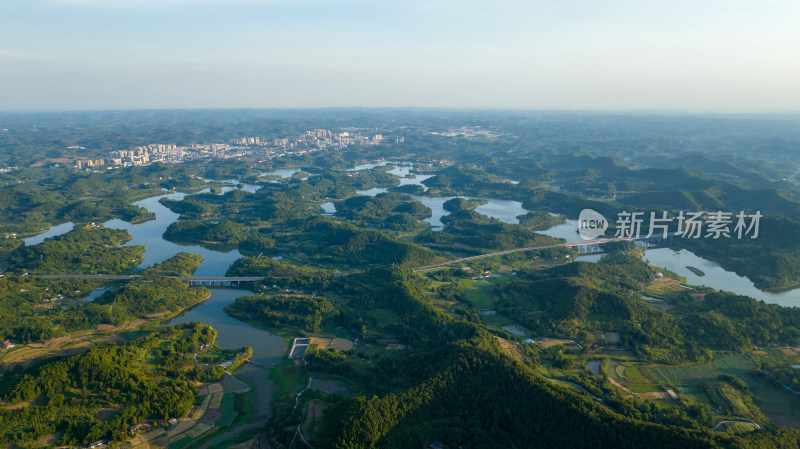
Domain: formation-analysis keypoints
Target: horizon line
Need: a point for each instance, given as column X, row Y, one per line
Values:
column 633, row 111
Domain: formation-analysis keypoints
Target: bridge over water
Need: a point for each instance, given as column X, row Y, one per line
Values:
column 585, row 247
column 221, row 280
column 197, row 280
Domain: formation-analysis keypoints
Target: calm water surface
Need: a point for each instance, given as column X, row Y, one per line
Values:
column 232, row 333
column 150, row 234
column 676, row 261
column 54, row 231
column 215, row 263
column 503, row 210
column 286, row 173
column 716, row 276
column 328, row 208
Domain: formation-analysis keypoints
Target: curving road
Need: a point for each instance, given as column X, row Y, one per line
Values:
column 748, row 423
column 519, row 250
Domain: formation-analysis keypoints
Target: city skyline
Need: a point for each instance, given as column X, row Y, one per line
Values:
column 711, row 56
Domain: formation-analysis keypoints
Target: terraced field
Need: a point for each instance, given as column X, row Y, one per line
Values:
column 215, row 409
column 628, row 377
column 695, row 375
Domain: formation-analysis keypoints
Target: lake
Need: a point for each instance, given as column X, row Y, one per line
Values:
column 716, row 276
column 285, row 173
column 54, row 231
column 268, row 348
column 216, row 263
column 504, row 210
column 676, row 261
column 328, row 208
column 151, row 235
column 231, row 333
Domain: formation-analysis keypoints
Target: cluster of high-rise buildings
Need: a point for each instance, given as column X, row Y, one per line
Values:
column 310, row 141
column 148, row 153
column 315, row 138
column 140, row 155
column 324, row 138
column 249, row 141
column 89, row 163
column 466, row 131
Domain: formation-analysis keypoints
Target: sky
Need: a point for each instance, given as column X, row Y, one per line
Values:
column 724, row 56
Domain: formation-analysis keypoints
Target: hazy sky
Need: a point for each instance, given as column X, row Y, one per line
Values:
column 693, row 55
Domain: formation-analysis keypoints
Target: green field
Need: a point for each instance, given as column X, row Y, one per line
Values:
column 133, row 335
column 476, row 292
column 497, row 320
column 779, row 406
column 729, row 398
column 228, row 413
column 615, row 370
column 629, row 374
column 633, row 375
column 287, row 377
column 695, row 375
column 735, row 428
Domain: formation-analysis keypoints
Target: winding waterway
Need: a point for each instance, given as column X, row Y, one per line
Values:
column 54, row 231
column 504, row 210
column 231, row 333
column 151, row 235
column 676, row 261
column 269, row 348
column 215, row 263
column 234, row 334
column 716, row 276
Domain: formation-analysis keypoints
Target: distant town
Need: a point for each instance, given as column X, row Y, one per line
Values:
column 309, row 142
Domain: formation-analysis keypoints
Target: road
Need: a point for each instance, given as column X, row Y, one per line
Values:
column 417, row 269
column 91, row 276
column 736, row 422
column 136, row 276
column 422, row 268
column 519, row 250
column 581, row 388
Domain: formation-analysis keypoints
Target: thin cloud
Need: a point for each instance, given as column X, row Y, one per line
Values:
column 161, row 3
column 8, row 55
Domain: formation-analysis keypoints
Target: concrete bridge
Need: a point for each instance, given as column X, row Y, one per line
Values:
column 120, row 277
column 256, row 364
column 222, row 280
column 194, row 280
column 584, row 247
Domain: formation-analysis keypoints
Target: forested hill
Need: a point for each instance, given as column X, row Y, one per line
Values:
column 461, row 388
column 480, row 398
column 483, row 399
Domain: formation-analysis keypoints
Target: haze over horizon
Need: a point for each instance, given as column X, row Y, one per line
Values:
column 710, row 56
